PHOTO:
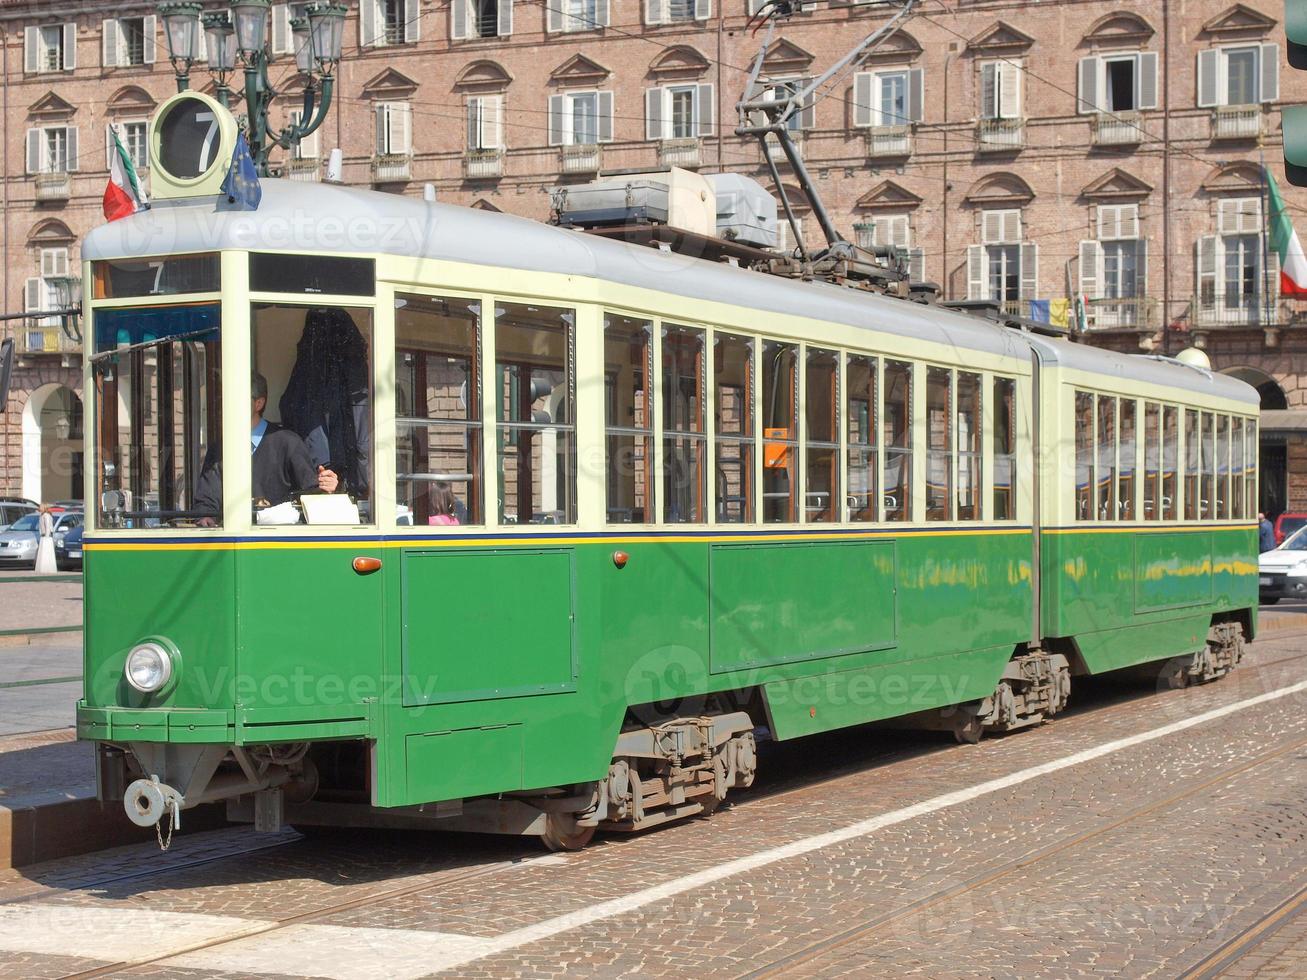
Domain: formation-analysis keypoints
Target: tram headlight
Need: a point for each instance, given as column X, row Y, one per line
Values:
column 148, row 668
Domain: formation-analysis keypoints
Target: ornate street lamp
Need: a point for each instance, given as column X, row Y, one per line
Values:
column 240, row 38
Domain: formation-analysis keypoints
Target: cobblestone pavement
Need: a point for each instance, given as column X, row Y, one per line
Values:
column 1142, row 834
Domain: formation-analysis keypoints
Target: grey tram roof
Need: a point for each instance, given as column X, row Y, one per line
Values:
column 296, row 216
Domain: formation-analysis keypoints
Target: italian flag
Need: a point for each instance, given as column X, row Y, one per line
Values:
column 1293, row 264
column 123, row 196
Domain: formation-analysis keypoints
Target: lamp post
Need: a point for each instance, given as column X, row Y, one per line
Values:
column 239, row 38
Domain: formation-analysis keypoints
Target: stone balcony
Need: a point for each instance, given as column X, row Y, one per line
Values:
column 1117, row 129
column 1000, row 135
column 1237, row 122
column 581, row 158
column 53, row 187
column 42, row 338
column 1121, row 314
column 889, row 141
column 306, row 170
column 483, row 164
column 683, row 152
column 1223, row 311
column 392, row 168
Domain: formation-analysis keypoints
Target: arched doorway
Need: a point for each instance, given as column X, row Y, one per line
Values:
column 52, row 445
column 1272, row 453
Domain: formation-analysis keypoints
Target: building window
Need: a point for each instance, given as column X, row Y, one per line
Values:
column 580, row 118
column 52, row 150
column 676, row 11
column 887, row 98
column 1240, row 75
column 567, row 16
column 1118, row 82
column 1233, row 283
column 678, row 112
column 485, row 122
column 129, row 41
column 893, row 230
column 1000, row 90
column 306, row 147
column 1003, row 268
column 282, row 40
column 783, row 89
column 133, row 135
column 394, row 129
column 1113, row 267
column 39, row 293
column 387, row 22
column 51, row 47
column 480, row 18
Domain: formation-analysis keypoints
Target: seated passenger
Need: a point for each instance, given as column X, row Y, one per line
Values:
column 281, row 466
column 444, row 506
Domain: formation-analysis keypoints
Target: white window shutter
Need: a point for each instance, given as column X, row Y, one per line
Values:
column 1227, row 217
column 151, row 36
column 494, row 123
column 1029, row 270
column 1141, row 268
column 473, row 112
column 401, row 126
column 707, row 107
column 204, row 44
column 653, row 113
column 1147, row 88
column 605, row 117
column 556, row 110
column 1128, row 220
column 1091, row 269
column 505, row 18
column 808, row 112
column 917, row 264
column 35, row 150
column 70, row 135
column 977, row 281
column 702, row 9
column 70, row 47
column 655, row 11
column 1088, row 94
column 31, row 50
column 863, row 83
column 1009, row 96
column 554, row 17
column 991, row 226
column 989, row 90
column 916, row 94
column 1108, row 222
column 602, row 14
column 308, row 149
column 460, row 19
column 108, row 146
column 381, row 113
column 1270, row 72
column 109, row 42
column 33, row 295
column 1209, row 266
column 281, row 36
column 412, row 22
column 370, row 34
column 1208, row 71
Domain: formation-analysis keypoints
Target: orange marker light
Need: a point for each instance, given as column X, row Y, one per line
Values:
column 620, row 558
column 366, row 566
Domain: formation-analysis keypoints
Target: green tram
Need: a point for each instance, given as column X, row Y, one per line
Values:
column 604, row 516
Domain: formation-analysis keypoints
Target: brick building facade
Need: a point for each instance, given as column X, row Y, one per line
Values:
column 1021, row 151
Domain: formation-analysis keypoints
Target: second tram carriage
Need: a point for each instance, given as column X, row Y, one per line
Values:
column 696, row 506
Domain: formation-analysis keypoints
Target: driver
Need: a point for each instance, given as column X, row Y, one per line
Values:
column 281, row 466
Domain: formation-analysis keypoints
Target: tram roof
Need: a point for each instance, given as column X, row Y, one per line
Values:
column 298, row 216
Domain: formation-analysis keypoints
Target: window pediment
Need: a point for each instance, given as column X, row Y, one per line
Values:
column 785, row 56
column 999, row 37
column 1241, row 178
column 999, row 190
column 579, row 70
column 51, row 106
column 483, row 75
column 680, row 61
column 390, row 84
column 1119, row 30
column 51, row 232
column 888, row 194
column 900, row 47
column 131, row 100
column 1239, row 20
column 1116, row 184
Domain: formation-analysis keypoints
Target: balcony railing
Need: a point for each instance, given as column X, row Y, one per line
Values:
column 1000, row 135
column 581, row 158
column 305, row 170
column 1252, row 311
column 889, row 141
column 392, row 168
column 1236, row 122
column 483, row 164
column 1117, row 129
column 1116, row 314
column 47, row 340
column 682, row 152
column 53, row 187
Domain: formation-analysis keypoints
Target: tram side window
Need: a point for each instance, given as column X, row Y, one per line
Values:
column 968, row 424
column 1250, row 471
column 1170, row 462
column 438, row 428
column 1125, row 482
column 896, row 423
column 1208, row 498
column 861, row 425
column 685, row 443
column 1152, row 461
column 733, row 417
column 1236, row 469
column 628, row 416
column 1005, row 449
column 1106, row 493
column 1084, row 456
column 315, row 364
column 1191, row 454
column 1223, row 467
column 157, row 445
column 536, row 393
column 780, row 451
column 822, row 487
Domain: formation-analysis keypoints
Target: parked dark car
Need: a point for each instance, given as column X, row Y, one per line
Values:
column 68, row 550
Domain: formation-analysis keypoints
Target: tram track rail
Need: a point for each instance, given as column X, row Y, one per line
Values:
column 1231, row 952
column 792, row 964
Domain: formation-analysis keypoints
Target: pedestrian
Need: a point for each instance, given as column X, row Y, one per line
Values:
column 45, row 563
column 1265, row 533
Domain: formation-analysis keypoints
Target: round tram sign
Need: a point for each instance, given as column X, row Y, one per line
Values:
column 191, row 141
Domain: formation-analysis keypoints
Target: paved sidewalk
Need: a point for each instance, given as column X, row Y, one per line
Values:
column 40, row 684
column 36, row 604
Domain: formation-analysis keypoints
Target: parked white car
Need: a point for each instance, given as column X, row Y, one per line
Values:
column 1283, row 571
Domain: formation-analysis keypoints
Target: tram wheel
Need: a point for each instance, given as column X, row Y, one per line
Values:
column 562, row 833
column 1174, row 675
column 968, row 728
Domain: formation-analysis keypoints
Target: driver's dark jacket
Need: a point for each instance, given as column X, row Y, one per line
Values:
column 281, row 470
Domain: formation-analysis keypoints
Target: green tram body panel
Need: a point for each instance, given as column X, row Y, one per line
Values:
column 480, row 666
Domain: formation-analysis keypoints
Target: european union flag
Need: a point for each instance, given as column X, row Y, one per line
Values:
column 242, row 182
